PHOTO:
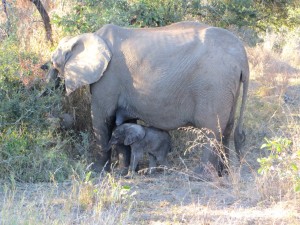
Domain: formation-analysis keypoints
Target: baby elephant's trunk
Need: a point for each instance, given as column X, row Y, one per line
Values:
column 109, row 146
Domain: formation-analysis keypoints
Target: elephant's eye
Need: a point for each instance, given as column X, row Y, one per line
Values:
column 116, row 136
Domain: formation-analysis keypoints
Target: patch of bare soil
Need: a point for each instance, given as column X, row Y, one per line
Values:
column 172, row 198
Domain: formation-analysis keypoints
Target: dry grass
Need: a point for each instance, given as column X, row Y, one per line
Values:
column 78, row 104
column 105, row 201
column 157, row 199
column 273, row 111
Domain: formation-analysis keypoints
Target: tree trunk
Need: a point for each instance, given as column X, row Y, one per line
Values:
column 7, row 18
column 45, row 17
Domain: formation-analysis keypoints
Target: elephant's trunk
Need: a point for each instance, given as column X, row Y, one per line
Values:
column 109, row 146
column 53, row 78
column 112, row 141
column 52, row 75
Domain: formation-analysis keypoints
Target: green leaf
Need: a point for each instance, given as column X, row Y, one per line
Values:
column 126, row 187
column 297, row 188
column 88, row 176
column 294, row 167
column 260, row 170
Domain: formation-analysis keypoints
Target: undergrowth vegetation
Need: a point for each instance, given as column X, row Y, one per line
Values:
column 78, row 201
column 34, row 147
column 273, row 116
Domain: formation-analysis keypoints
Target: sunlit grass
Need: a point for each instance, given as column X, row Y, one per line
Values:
column 101, row 200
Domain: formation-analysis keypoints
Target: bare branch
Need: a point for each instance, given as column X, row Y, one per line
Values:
column 45, row 17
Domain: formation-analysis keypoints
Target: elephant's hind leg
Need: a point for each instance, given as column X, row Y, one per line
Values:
column 225, row 143
column 212, row 159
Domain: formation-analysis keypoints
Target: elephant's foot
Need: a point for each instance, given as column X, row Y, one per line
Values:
column 130, row 174
column 205, row 172
column 100, row 161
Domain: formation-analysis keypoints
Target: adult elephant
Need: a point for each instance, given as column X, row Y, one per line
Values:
column 183, row 74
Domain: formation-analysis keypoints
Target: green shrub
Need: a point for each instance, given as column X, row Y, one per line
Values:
column 155, row 13
column 91, row 15
column 225, row 13
column 282, row 162
column 252, row 16
column 28, row 155
column 31, row 146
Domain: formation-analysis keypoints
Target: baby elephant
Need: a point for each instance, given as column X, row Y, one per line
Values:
column 155, row 142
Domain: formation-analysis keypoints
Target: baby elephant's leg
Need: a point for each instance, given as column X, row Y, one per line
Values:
column 136, row 156
column 123, row 153
column 162, row 160
column 163, row 163
column 152, row 163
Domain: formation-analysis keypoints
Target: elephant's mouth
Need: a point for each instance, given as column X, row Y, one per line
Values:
column 54, row 80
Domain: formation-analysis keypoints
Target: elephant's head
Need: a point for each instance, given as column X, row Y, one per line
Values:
column 81, row 60
column 127, row 134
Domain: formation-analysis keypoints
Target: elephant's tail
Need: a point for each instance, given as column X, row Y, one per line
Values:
column 239, row 134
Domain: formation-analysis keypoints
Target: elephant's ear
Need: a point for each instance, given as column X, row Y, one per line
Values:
column 86, row 60
column 133, row 134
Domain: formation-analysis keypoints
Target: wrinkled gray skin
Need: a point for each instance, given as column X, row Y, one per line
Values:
column 155, row 142
column 183, row 74
column 123, row 115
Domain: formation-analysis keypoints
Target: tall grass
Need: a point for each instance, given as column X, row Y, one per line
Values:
column 273, row 117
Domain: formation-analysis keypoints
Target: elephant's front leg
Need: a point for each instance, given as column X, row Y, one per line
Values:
column 102, row 126
column 103, row 155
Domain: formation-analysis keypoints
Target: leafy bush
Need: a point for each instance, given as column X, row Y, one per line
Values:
column 225, row 13
column 91, row 15
column 31, row 146
column 252, row 14
column 147, row 13
column 283, row 161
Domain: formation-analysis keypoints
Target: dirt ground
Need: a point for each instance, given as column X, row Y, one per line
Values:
column 175, row 199
column 162, row 198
